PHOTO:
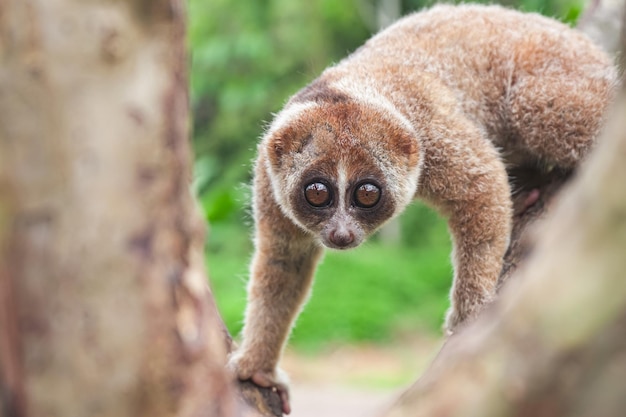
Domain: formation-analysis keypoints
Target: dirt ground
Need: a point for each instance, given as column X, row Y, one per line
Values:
column 313, row 400
column 355, row 381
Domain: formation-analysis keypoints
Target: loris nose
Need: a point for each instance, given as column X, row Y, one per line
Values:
column 341, row 238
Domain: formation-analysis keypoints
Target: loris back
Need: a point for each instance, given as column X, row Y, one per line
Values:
column 523, row 78
column 436, row 107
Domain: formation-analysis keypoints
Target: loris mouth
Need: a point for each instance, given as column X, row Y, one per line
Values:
column 340, row 246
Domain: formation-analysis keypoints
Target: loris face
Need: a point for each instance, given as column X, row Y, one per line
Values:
column 340, row 170
column 341, row 195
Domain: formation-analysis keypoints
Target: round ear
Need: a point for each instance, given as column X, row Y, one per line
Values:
column 403, row 145
column 289, row 139
column 278, row 144
column 406, row 145
column 290, row 131
column 382, row 123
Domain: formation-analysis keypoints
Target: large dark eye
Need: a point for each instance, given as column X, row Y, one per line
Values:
column 317, row 194
column 366, row 195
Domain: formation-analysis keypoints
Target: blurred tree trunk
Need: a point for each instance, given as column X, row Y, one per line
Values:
column 104, row 307
column 387, row 12
column 602, row 22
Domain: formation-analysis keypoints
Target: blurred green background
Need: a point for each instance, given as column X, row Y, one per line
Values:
column 248, row 57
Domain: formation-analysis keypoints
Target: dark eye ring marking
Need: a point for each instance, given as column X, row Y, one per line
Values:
column 318, row 194
column 366, row 195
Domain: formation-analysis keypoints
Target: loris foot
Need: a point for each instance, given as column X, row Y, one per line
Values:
column 452, row 322
column 457, row 317
column 264, row 379
column 276, row 380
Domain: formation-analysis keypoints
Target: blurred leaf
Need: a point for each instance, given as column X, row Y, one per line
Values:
column 218, row 205
column 573, row 13
column 204, row 170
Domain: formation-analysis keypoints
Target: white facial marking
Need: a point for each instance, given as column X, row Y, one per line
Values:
column 405, row 185
column 342, row 184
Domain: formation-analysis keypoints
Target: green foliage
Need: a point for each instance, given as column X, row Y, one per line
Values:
column 565, row 10
column 245, row 63
column 375, row 291
column 370, row 293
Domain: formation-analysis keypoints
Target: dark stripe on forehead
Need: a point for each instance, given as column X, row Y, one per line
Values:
column 319, row 92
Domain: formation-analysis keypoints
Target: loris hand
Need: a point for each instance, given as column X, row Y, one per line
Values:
column 459, row 315
column 245, row 369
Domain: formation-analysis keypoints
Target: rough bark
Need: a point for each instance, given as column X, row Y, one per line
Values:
column 104, row 307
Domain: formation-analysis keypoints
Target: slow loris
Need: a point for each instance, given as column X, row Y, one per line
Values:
column 434, row 107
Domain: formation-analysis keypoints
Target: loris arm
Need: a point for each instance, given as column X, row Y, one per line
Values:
column 465, row 178
column 281, row 274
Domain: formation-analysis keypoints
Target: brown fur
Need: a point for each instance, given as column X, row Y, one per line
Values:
column 434, row 107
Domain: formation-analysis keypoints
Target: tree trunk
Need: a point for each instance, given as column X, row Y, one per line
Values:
column 104, row 308
column 602, row 22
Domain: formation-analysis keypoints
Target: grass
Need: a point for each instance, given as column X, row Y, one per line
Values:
column 371, row 293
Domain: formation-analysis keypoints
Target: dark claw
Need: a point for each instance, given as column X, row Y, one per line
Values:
column 263, row 380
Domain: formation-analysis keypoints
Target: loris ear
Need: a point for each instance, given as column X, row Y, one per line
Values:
column 284, row 141
column 404, row 145
column 279, row 143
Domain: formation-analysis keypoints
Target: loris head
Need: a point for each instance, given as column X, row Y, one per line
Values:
column 341, row 166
